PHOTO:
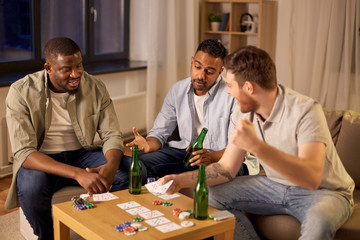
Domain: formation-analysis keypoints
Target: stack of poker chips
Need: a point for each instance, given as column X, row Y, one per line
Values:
column 81, row 202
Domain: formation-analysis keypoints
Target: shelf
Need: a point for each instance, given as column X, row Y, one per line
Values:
column 264, row 35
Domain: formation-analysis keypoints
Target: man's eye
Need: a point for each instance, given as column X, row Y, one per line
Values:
column 197, row 67
column 211, row 72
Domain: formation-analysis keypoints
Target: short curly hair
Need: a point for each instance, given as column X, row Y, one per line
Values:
column 213, row 47
column 60, row 46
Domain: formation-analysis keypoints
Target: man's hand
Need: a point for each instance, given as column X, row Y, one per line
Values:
column 245, row 136
column 140, row 141
column 200, row 156
column 174, row 187
column 106, row 172
column 91, row 181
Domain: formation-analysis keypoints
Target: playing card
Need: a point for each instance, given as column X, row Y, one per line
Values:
column 128, row 205
column 151, row 214
column 157, row 221
column 103, row 197
column 157, row 189
column 137, row 210
column 168, row 227
column 169, row 196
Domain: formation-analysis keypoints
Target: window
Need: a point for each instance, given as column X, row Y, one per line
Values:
column 99, row 27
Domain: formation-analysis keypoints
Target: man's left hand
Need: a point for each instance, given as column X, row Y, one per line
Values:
column 107, row 172
column 201, row 156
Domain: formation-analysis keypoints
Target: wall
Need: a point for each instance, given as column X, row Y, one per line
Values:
column 127, row 89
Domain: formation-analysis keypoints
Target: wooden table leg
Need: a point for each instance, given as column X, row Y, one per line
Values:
column 229, row 235
column 61, row 231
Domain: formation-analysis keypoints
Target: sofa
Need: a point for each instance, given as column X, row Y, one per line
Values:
column 345, row 131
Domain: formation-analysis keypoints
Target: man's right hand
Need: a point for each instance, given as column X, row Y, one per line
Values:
column 93, row 182
column 174, row 187
column 140, row 141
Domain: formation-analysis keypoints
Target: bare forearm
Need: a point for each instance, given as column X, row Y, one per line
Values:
column 304, row 170
column 154, row 143
column 42, row 162
column 215, row 156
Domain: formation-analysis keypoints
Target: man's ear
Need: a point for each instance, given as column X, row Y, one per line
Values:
column 249, row 87
column 47, row 67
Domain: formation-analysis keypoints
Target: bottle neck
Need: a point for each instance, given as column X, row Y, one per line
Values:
column 202, row 175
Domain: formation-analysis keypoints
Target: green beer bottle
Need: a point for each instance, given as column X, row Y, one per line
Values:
column 135, row 180
column 201, row 195
column 196, row 145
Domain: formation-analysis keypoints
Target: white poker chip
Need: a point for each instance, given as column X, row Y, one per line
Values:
column 142, row 228
column 187, row 223
column 136, row 225
column 86, row 197
column 130, row 233
column 184, row 215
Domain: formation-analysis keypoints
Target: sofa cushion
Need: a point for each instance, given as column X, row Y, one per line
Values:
column 334, row 119
column 348, row 146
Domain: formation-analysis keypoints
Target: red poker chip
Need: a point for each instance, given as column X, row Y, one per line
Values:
column 177, row 211
column 157, row 202
column 129, row 229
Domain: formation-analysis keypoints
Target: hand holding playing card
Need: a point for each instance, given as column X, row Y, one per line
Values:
column 157, row 188
column 173, row 187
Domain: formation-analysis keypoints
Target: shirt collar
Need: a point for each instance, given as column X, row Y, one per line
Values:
column 279, row 106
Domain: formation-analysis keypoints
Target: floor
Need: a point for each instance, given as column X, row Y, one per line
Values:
column 4, row 189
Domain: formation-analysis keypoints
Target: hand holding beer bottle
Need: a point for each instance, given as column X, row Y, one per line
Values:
column 196, row 145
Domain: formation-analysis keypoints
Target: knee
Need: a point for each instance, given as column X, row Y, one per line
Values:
column 32, row 185
column 216, row 197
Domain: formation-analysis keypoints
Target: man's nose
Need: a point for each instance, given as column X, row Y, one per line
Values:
column 75, row 74
column 201, row 74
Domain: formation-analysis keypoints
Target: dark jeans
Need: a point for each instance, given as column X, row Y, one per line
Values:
column 36, row 188
column 166, row 160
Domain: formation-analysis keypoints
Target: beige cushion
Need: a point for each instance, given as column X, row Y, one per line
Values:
column 334, row 119
column 348, row 145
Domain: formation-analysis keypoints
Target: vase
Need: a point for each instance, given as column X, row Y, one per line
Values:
column 214, row 26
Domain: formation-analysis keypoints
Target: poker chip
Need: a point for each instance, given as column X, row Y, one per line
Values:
column 80, row 207
column 136, row 225
column 127, row 224
column 85, row 197
column 76, row 200
column 151, row 179
column 119, row 228
column 129, row 229
column 142, row 228
column 189, row 211
column 187, row 223
column 138, row 219
column 157, row 202
column 129, row 233
column 89, row 205
column 167, row 203
column 176, row 211
column 184, row 215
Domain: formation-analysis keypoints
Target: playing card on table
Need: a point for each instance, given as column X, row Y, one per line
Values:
column 168, row 227
column 157, row 189
column 157, row 221
column 137, row 210
column 151, row 214
column 104, row 197
column 169, row 196
column 128, row 205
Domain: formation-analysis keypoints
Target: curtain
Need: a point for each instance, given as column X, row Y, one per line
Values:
column 318, row 50
column 172, row 40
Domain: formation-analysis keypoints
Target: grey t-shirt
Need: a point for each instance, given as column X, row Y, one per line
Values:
column 297, row 119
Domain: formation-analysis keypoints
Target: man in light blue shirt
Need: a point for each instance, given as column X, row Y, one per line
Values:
column 191, row 104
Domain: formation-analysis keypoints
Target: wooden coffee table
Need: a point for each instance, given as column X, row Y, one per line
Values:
column 99, row 222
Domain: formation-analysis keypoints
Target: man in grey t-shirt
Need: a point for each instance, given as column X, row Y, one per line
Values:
column 289, row 136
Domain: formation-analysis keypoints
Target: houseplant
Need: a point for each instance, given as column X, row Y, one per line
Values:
column 214, row 19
